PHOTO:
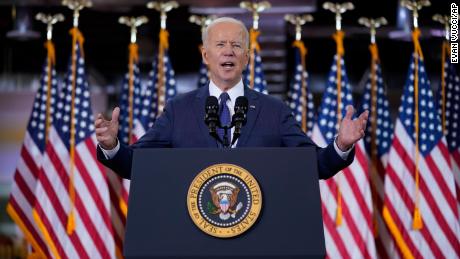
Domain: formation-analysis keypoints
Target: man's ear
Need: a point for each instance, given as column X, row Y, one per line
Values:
column 246, row 56
column 204, row 55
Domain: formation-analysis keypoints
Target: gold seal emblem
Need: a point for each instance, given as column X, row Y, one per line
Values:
column 224, row 200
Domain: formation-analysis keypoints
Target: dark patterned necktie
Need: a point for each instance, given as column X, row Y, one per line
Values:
column 224, row 114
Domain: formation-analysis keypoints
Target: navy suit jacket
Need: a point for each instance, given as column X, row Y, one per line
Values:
column 269, row 124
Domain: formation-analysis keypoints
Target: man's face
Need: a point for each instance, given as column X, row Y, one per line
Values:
column 226, row 54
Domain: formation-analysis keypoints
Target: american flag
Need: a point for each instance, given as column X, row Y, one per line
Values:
column 300, row 97
column 162, row 85
column 419, row 176
column 203, row 75
column 346, row 198
column 22, row 197
column 130, row 113
column 72, row 208
column 254, row 73
column 450, row 107
column 379, row 133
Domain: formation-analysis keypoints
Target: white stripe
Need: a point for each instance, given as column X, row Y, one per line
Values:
column 405, row 216
column 25, row 172
column 430, row 222
column 442, row 162
column 351, row 202
column 32, row 148
column 53, row 219
column 26, row 208
column 330, row 203
column 64, row 200
column 126, row 184
column 93, row 214
column 90, row 204
column 138, row 130
column 97, row 177
column 430, row 181
column 456, row 171
column 82, row 191
column 60, row 149
column 362, row 180
column 332, row 250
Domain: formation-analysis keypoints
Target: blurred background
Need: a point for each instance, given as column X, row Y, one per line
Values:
column 106, row 41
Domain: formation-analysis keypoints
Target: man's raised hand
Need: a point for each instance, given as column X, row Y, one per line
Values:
column 107, row 130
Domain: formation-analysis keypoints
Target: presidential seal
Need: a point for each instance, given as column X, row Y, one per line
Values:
column 224, row 200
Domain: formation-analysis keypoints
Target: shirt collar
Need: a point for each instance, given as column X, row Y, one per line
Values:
column 234, row 92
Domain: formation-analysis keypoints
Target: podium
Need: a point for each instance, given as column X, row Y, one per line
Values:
column 290, row 221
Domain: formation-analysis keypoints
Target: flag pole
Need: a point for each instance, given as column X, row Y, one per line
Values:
column 373, row 25
column 255, row 8
column 444, row 20
column 203, row 21
column 414, row 6
column 49, row 20
column 133, row 23
column 339, row 9
column 163, row 8
column 298, row 21
column 77, row 37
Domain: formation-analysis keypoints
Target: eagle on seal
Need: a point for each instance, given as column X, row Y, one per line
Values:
column 224, row 197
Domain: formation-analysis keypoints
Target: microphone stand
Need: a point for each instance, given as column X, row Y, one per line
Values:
column 226, row 143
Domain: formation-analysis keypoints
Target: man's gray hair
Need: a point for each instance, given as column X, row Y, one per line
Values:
column 204, row 35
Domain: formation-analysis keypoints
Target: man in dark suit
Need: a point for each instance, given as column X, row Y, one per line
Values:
column 269, row 121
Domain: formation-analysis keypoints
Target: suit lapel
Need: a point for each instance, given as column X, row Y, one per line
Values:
column 198, row 109
column 253, row 113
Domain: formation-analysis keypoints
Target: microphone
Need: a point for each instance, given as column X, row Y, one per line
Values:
column 211, row 119
column 239, row 118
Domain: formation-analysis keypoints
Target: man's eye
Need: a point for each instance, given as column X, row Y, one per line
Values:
column 237, row 46
column 220, row 44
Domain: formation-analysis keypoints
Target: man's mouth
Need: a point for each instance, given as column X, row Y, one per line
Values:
column 227, row 64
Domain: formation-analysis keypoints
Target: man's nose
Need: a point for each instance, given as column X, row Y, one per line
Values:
column 228, row 50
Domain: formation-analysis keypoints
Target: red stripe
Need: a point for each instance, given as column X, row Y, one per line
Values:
column 445, row 152
column 113, row 198
column 124, row 193
column 98, row 201
column 407, row 198
column 456, row 160
column 28, row 225
column 115, row 207
column 443, row 186
column 330, row 225
column 456, row 156
column 30, row 162
column 59, row 246
column 349, row 175
column 31, row 198
column 22, row 186
column 347, row 216
column 93, row 190
column 402, row 229
column 79, row 205
column 438, row 215
column 62, row 174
